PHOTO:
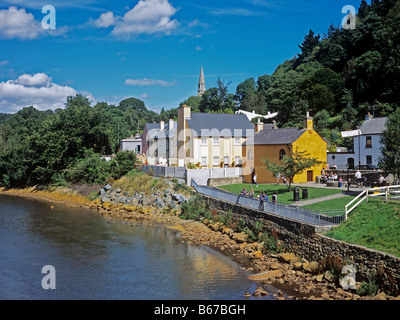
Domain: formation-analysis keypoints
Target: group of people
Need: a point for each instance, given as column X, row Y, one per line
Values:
column 326, row 176
column 279, row 178
column 261, row 197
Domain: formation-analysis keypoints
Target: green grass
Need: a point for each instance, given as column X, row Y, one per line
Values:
column 375, row 225
column 334, row 204
column 284, row 195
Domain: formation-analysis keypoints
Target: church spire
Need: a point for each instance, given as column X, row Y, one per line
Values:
column 202, row 84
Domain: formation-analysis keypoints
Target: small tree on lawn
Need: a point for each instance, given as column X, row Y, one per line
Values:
column 291, row 165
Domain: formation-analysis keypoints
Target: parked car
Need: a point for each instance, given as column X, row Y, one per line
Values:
column 366, row 167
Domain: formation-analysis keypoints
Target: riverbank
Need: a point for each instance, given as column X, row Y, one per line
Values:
column 293, row 278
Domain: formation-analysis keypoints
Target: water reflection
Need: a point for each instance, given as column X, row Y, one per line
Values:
column 97, row 258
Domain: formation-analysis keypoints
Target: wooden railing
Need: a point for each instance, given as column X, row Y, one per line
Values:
column 374, row 192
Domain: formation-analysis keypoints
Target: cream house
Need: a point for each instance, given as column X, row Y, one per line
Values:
column 211, row 140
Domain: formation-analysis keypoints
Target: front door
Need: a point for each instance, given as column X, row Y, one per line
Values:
column 310, row 176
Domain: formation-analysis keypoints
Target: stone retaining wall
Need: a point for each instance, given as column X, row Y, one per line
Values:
column 306, row 242
column 215, row 182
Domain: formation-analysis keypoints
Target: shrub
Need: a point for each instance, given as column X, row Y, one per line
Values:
column 124, row 162
column 91, row 169
column 367, row 288
column 195, row 209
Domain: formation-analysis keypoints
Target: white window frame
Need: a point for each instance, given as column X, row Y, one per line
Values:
column 215, row 161
column 203, row 141
column 215, row 141
column 237, row 141
column 204, row 161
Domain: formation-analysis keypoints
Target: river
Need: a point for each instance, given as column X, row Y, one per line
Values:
column 98, row 258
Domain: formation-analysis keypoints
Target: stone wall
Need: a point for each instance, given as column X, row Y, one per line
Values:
column 307, row 242
column 215, row 182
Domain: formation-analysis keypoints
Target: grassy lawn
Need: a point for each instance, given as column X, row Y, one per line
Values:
column 334, row 204
column 374, row 225
column 284, row 196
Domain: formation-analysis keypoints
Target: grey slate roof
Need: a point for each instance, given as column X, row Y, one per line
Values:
column 155, row 132
column 373, row 126
column 220, row 125
column 277, row 136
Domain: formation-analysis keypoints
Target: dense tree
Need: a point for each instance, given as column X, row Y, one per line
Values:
column 390, row 159
column 217, row 99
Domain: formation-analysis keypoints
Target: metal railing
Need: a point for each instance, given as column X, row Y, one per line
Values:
column 374, row 192
column 312, row 217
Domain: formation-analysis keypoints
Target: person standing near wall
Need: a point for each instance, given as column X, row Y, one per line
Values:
column 274, row 198
column 358, row 179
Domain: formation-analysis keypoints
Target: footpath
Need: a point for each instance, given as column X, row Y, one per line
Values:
column 353, row 191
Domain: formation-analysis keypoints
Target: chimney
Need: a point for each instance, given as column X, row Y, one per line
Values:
column 161, row 125
column 308, row 122
column 259, row 126
column 171, row 124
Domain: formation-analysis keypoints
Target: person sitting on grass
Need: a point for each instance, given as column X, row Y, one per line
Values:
column 243, row 192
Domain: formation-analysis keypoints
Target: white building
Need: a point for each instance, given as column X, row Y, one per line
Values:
column 366, row 143
column 131, row 144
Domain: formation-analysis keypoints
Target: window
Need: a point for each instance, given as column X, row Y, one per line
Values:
column 281, row 154
column 368, row 142
column 203, row 141
column 237, row 141
column 238, row 161
column 204, row 161
column 369, row 159
column 216, row 161
column 226, row 160
column 216, row 141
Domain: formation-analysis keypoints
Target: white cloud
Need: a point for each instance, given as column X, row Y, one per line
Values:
column 17, row 23
column 105, row 20
column 146, row 17
column 35, row 90
column 148, row 82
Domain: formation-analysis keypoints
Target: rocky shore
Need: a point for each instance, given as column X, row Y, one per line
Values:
column 295, row 278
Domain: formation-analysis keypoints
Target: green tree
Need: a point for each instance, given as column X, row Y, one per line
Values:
column 292, row 165
column 246, row 94
column 217, row 99
column 390, row 159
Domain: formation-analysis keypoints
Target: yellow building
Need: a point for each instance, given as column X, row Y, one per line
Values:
column 275, row 143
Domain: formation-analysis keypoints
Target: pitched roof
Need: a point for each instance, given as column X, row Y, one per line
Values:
column 220, row 125
column 276, row 136
column 154, row 131
column 374, row 126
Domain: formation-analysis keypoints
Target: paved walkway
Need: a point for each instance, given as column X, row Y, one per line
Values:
column 352, row 192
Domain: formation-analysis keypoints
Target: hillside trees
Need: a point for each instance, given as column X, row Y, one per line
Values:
column 344, row 72
column 37, row 147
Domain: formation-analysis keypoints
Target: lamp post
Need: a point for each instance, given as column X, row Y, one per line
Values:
column 347, row 177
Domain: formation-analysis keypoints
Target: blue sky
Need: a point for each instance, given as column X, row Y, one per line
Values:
column 148, row 49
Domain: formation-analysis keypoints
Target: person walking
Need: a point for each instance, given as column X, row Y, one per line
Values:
column 359, row 179
column 255, row 180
